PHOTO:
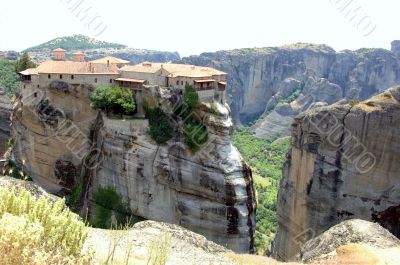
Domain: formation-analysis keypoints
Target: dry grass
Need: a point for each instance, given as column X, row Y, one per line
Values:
column 39, row 232
column 254, row 260
column 159, row 249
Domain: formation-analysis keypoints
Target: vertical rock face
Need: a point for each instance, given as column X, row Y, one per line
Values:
column 5, row 114
column 209, row 192
column 343, row 164
column 262, row 81
column 396, row 47
column 51, row 132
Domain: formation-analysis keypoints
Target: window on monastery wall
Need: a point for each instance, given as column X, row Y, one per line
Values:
column 35, row 94
column 38, row 86
column 49, row 76
column 182, row 83
column 110, row 81
column 95, row 80
column 60, row 76
column 186, row 83
column 72, row 77
column 177, row 83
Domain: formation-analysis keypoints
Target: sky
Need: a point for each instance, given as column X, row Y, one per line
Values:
column 192, row 27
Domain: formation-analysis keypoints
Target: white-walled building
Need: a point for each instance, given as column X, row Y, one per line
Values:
column 209, row 83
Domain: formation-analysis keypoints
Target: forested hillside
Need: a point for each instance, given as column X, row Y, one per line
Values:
column 8, row 77
column 75, row 42
column 266, row 158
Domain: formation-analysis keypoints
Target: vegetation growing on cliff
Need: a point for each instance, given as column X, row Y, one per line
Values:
column 9, row 79
column 195, row 132
column 75, row 42
column 110, row 210
column 160, row 127
column 113, row 99
column 24, row 63
column 39, row 232
column 266, row 158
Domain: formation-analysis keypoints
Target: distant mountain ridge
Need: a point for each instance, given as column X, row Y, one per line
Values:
column 74, row 42
column 272, row 85
column 95, row 49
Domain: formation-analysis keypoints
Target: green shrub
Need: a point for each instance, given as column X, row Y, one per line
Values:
column 160, row 127
column 353, row 102
column 113, row 99
column 292, row 97
column 17, row 172
column 24, row 63
column 75, row 196
column 387, row 94
column 195, row 135
column 8, row 77
column 190, row 97
column 59, row 230
column 108, row 203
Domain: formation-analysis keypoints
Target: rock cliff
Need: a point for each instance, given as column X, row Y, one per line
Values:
column 276, row 84
column 5, row 114
column 343, row 164
column 369, row 237
column 59, row 140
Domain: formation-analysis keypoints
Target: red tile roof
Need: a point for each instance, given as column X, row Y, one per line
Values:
column 111, row 60
column 174, row 70
column 70, row 67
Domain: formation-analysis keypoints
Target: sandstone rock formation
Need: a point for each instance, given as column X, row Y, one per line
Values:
column 343, row 164
column 5, row 114
column 185, row 247
column 263, row 79
column 35, row 190
column 60, row 140
column 352, row 231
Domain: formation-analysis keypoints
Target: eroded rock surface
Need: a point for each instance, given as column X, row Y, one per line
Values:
column 209, row 192
column 5, row 114
column 352, row 231
column 261, row 79
column 343, row 164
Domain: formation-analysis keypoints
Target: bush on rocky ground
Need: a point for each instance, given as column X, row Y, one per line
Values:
column 38, row 231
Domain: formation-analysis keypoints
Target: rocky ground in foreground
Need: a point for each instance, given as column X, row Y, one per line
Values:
column 351, row 242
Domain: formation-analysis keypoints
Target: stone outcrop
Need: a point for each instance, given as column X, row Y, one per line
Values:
column 396, row 47
column 60, row 141
column 343, row 164
column 17, row 184
column 260, row 80
column 5, row 114
column 352, row 231
column 185, row 247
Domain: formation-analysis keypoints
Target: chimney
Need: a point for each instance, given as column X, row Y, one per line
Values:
column 78, row 57
column 59, row 54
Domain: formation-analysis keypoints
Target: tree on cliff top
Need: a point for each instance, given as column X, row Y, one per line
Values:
column 191, row 98
column 114, row 99
column 24, row 63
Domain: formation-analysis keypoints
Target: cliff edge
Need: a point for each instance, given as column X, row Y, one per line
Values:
column 343, row 164
column 59, row 141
